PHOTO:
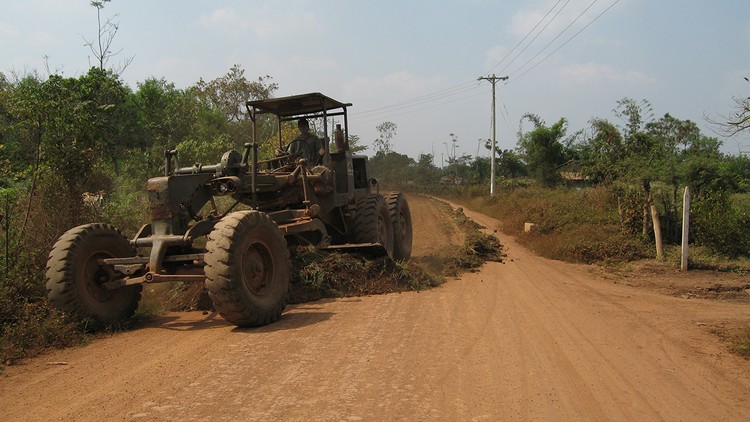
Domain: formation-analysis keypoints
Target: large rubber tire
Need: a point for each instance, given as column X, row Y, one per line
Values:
column 398, row 208
column 372, row 222
column 74, row 277
column 247, row 269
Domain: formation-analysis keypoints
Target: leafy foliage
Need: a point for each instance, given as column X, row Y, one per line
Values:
column 384, row 143
column 543, row 149
column 721, row 226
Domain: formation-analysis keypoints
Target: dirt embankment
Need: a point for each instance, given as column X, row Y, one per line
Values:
column 526, row 339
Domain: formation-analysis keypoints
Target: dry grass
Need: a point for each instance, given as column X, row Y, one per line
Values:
column 572, row 225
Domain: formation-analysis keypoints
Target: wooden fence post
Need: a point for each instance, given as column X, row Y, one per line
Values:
column 657, row 233
column 685, row 228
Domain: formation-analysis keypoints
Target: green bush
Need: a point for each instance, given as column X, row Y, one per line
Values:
column 719, row 225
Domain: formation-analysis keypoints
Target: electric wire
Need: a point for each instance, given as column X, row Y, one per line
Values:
column 567, row 41
column 459, row 88
column 556, row 37
column 463, row 91
column 437, row 95
column 395, row 113
column 535, row 36
column 524, row 38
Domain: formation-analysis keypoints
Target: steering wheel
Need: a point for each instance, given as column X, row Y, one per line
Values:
column 284, row 160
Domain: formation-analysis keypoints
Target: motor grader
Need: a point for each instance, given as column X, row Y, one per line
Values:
column 242, row 256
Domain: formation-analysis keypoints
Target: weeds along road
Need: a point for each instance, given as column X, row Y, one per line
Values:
column 529, row 339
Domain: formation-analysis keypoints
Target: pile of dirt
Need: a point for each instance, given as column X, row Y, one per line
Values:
column 317, row 274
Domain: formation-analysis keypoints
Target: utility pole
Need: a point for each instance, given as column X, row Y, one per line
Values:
column 493, row 80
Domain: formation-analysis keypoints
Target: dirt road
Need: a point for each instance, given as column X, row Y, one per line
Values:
column 529, row 339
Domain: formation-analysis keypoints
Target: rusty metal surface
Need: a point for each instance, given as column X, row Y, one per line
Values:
column 158, row 198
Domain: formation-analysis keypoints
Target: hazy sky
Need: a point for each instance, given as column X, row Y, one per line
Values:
column 416, row 63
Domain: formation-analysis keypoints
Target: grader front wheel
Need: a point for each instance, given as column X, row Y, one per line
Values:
column 74, row 275
column 247, row 269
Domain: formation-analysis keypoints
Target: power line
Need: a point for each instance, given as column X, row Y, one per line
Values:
column 557, row 36
column 385, row 114
column 433, row 96
column 524, row 38
column 506, row 114
column 536, row 36
column 435, row 99
column 568, row 40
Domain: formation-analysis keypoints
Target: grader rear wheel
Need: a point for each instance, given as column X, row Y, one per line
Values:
column 398, row 209
column 372, row 223
column 247, row 269
column 74, row 276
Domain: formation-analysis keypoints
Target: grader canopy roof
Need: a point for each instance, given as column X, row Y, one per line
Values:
column 296, row 105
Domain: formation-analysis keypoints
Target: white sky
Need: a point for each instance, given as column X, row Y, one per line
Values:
column 416, row 63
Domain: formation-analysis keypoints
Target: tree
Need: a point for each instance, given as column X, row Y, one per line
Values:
column 645, row 150
column 392, row 169
column 509, row 164
column 602, row 152
column 543, row 150
column 61, row 135
column 426, row 173
column 101, row 46
column 383, row 144
column 354, row 144
column 229, row 93
column 165, row 116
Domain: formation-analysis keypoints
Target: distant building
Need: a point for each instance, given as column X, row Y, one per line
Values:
column 451, row 179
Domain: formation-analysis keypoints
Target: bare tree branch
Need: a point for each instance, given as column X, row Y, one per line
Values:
column 101, row 47
column 738, row 121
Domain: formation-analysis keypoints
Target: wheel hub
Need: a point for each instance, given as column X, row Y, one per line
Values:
column 94, row 276
column 382, row 231
column 256, row 268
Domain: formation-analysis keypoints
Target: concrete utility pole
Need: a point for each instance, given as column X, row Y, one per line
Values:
column 493, row 80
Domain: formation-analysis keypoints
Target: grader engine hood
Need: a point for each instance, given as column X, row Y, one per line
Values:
column 177, row 199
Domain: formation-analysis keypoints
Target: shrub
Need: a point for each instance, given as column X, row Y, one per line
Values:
column 719, row 225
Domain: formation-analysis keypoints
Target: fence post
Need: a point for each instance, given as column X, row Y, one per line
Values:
column 685, row 228
column 657, row 233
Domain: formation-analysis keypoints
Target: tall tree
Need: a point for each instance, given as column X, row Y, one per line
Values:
column 101, row 47
column 543, row 149
column 384, row 143
column 229, row 93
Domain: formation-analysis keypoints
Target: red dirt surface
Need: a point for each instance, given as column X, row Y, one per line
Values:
column 527, row 339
